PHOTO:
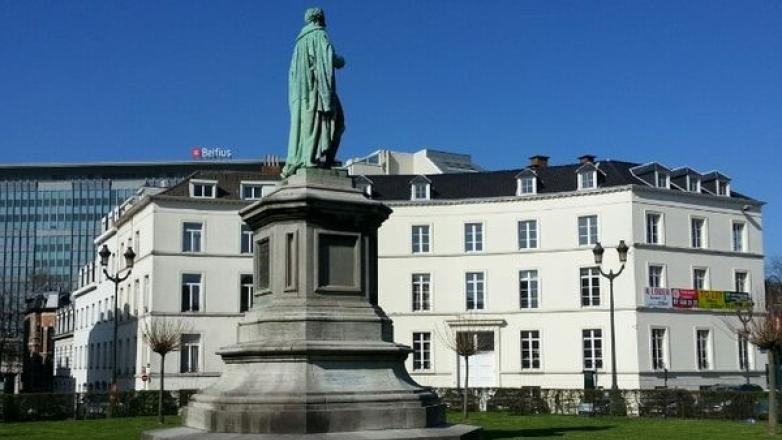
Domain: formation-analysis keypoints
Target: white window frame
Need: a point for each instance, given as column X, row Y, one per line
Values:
column 666, row 180
column 742, row 235
column 421, row 292
column 582, row 179
column 589, row 226
column 246, row 236
column 659, row 228
column 527, row 235
column 707, row 351
column 747, row 282
column 421, row 249
column 205, row 184
column 534, row 298
column 593, row 272
column 262, row 186
column 200, row 285
column 423, row 341
column 593, row 359
column 187, row 348
column 704, row 235
column 706, row 276
column 477, row 294
column 244, row 291
column 426, row 188
column 662, row 278
column 689, row 181
column 658, row 364
column 477, row 233
column 535, row 354
column 201, row 233
column 521, row 186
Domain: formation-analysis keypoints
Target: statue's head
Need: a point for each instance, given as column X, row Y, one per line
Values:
column 316, row 16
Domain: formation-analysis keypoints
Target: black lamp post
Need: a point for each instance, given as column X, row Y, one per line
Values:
column 117, row 278
column 598, row 253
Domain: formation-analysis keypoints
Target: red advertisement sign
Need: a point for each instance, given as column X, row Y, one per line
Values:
column 684, row 298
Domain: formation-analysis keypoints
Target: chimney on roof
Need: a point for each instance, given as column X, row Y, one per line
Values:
column 538, row 161
column 587, row 158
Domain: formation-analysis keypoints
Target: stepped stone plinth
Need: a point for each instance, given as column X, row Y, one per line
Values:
column 315, row 357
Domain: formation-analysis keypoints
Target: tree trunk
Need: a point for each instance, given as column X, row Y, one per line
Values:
column 466, row 390
column 772, row 391
column 160, row 394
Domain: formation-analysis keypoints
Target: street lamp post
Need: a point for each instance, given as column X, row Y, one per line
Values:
column 117, row 278
column 598, row 253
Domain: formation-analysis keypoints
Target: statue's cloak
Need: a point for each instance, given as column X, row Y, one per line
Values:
column 317, row 121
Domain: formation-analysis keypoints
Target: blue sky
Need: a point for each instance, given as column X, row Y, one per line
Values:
column 695, row 83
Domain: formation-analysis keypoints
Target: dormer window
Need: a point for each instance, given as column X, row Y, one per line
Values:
column 723, row 188
column 662, row 180
column 716, row 183
column 255, row 190
column 693, row 184
column 420, row 188
column 526, row 182
column 587, row 179
column 364, row 184
column 204, row 189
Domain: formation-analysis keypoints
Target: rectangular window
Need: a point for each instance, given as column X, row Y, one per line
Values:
column 528, row 289
column 586, row 179
column 590, row 286
column 654, row 228
column 191, row 292
column 422, row 351
column 593, row 348
column 421, row 239
column 656, row 276
column 247, row 239
column 203, row 190
column 528, row 234
column 473, row 237
column 658, row 349
column 527, row 185
column 698, row 233
column 741, row 281
column 421, row 291
column 474, row 288
column 700, row 279
column 662, row 180
column 530, row 349
column 252, row 191
column 693, row 184
column 147, row 298
column 739, row 229
column 587, row 230
column 703, row 348
column 245, row 292
column 420, row 191
column 743, row 346
column 189, row 353
column 191, row 237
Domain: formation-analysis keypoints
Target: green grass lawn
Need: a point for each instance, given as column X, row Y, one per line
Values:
column 508, row 427
column 110, row 429
column 496, row 426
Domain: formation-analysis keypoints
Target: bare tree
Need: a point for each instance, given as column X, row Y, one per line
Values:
column 163, row 337
column 10, row 339
column 766, row 333
column 773, row 282
column 465, row 338
column 745, row 312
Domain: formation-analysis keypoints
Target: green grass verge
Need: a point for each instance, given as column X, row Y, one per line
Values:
column 129, row 428
column 504, row 426
column 497, row 426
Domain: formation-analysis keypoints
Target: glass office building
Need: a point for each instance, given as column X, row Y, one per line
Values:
column 50, row 214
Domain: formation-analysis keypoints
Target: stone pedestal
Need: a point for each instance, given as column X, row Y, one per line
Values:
column 315, row 357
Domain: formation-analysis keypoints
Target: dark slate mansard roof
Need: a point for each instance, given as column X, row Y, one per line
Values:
column 486, row 184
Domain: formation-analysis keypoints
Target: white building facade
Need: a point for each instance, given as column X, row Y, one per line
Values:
column 193, row 264
column 508, row 256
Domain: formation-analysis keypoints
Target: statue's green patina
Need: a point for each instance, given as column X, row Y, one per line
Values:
column 317, row 121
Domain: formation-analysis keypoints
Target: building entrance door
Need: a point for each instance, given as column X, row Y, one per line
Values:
column 482, row 364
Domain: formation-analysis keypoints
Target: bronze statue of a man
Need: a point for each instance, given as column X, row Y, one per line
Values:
column 317, row 121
